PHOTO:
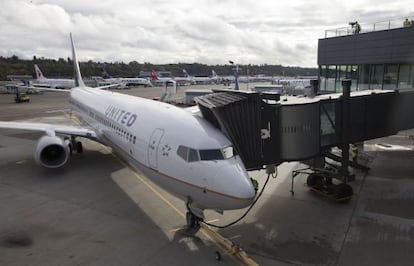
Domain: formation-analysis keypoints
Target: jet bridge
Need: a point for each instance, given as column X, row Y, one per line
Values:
column 250, row 123
column 270, row 129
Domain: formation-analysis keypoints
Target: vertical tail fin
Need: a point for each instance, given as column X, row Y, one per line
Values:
column 76, row 69
column 214, row 74
column 39, row 74
column 154, row 75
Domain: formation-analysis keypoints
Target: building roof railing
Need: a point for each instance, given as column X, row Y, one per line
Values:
column 369, row 27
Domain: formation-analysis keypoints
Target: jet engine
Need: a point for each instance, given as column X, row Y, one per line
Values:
column 52, row 152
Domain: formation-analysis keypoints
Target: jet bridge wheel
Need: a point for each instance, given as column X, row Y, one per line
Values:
column 315, row 180
column 342, row 192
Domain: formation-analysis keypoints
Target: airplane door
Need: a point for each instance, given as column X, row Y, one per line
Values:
column 153, row 147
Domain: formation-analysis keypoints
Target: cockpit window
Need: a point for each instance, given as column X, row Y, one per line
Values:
column 193, row 155
column 210, row 155
column 182, row 152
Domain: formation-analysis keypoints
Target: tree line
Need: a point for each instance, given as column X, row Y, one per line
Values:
column 63, row 68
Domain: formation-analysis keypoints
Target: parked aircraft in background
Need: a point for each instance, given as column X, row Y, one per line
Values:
column 186, row 80
column 157, row 79
column 42, row 81
column 213, row 79
column 123, row 82
column 293, row 83
column 179, row 151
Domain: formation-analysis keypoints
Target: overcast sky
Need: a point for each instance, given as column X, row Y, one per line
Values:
column 203, row 31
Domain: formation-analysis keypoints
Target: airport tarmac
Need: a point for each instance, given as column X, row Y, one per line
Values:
column 97, row 211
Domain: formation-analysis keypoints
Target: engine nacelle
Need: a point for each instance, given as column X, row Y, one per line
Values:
column 52, row 152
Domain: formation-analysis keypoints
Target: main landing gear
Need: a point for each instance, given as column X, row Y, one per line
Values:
column 74, row 144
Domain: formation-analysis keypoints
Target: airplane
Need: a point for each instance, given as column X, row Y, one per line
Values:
column 156, row 78
column 177, row 149
column 42, row 81
column 213, row 79
column 186, row 80
column 123, row 82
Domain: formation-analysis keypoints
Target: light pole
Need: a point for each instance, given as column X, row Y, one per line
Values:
column 236, row 75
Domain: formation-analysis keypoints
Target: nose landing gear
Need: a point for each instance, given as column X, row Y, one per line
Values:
column 193, row 216
column 192, row 220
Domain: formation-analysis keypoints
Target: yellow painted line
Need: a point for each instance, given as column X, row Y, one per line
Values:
column 213, row 221
column 177, row 229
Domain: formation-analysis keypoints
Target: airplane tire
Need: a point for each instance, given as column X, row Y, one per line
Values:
column 79, row 147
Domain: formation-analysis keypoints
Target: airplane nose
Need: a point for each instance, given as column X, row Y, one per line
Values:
column 237, row 185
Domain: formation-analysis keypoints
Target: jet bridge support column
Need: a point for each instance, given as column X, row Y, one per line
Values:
column 346, row 93
column 314, row 87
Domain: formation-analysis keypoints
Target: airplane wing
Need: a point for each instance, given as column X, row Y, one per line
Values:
column 109, row 86
column 50, row 129
column 68, row 90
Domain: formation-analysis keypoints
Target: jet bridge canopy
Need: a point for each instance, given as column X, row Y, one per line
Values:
column 247, row 121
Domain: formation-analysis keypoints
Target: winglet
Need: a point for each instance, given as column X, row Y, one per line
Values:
column 76, row 69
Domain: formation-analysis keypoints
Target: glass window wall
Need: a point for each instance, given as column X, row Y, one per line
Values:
column 330, row 78
column 390, row 77
column 376, row 78
column 363, row 81
column 367, row 76
column 404, row 77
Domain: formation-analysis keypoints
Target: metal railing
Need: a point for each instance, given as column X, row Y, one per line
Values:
column 369, row 27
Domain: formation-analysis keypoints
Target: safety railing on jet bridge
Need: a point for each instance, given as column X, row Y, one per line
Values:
column 369, row 27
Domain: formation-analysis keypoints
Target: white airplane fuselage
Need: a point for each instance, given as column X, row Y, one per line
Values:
column 127, row 81
column 148, row 135
column 56, row 83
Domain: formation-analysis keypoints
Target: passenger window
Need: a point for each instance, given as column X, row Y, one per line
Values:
column 210, row 155
column 182, row 152
column 193, row 155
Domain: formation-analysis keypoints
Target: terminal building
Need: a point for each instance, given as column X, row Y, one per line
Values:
column 267, row 130
column 373, row 59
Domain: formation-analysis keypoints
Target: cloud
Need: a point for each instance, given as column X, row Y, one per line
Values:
column 211, row 31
